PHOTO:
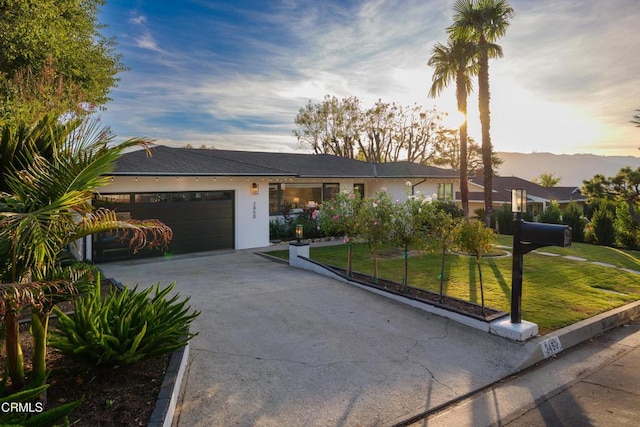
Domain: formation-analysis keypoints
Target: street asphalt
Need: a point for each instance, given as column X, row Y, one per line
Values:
column 596, row 383
column 280, row 346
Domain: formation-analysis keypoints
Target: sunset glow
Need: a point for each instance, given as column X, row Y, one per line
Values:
column 234, row 74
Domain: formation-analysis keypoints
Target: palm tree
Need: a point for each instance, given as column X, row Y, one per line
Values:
column 49, row 183
column 456, row 61
column 485, row 21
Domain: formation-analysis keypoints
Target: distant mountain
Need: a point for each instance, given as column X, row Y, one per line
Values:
column 572, row 168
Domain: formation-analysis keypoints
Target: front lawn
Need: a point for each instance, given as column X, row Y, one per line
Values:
column 556, row 291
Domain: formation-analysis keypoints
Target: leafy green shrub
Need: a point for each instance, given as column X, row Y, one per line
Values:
column 451, row 208
column 552, row 214
column 573, row 216
column 123, row 327
column 474, row 238
column 504, row 218
column 627, row 231
column 602, row 226
column 278, row 229
column 310, row 227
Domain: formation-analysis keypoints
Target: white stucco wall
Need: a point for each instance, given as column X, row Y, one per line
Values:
column 397, row 188
column 251, row 216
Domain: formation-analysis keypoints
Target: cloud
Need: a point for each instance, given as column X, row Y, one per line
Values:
column 138, row 20
column 232, row 73
column 146, row 41
column 575, row 51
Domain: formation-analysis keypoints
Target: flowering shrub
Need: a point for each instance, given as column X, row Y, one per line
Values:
column 339, row 217
column 408, row 223
column 441, row 234
column 475, row 238
column 374, row 223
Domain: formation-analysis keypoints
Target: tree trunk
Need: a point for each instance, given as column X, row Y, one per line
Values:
column 478, row 259
column 350, row 259
column 444, row 250
column 39, row 327
column 375, row 263
column 485, row 122
column 15, row 362
column 405, row 257
column 461, row 95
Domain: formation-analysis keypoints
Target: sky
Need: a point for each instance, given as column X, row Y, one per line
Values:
column 233, row 74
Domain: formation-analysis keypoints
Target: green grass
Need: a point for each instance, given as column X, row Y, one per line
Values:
column 556, row 292
column 621, row 258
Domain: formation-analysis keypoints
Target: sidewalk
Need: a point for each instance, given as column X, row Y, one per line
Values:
column 594, row 383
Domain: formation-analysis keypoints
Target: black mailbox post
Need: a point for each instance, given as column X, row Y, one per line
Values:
column 536, row 235
column 528, row 236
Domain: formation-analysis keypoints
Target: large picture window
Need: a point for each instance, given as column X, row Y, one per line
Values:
column 291, row 198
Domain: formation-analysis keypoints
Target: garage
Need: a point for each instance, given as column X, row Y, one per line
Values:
column 200, row 220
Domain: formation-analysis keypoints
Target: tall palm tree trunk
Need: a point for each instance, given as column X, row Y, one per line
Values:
column 485, row 123
column 461, row 95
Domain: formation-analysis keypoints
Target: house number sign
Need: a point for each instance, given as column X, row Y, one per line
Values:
column 254, row 210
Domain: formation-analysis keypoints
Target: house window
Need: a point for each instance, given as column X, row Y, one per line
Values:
column 329, row 191
column 275, row 199
column 105, row 199
column 293, row 198
column 445, row 192
column 359, row 189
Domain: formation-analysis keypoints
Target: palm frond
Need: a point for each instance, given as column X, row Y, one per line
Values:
column 37, row 295
column 150, row 233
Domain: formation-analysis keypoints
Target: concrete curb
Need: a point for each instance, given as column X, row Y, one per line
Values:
column 554, row 342
column 567, row 337
column 546, row 346
column 167, row 400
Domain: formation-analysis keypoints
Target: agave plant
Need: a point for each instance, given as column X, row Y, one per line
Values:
column 50, row 172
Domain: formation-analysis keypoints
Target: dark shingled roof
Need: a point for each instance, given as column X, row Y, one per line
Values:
column 398, row 169
column 502, row 186
column 187, row 161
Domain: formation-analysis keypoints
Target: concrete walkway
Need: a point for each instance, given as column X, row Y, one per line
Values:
column 279, row 346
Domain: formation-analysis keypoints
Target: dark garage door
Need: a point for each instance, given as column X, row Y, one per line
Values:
column 201, row 221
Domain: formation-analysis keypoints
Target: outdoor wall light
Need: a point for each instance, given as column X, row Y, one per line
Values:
column 518, row 200
column 299, row 232
column 255, row 189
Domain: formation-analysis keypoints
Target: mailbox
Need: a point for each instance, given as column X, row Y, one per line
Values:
column 539, row 234
column 528, row 236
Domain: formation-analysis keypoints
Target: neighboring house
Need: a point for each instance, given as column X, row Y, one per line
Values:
column 221, row 199
column 538, row 197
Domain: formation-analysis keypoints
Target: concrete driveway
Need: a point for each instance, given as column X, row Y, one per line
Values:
column 279, row 346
